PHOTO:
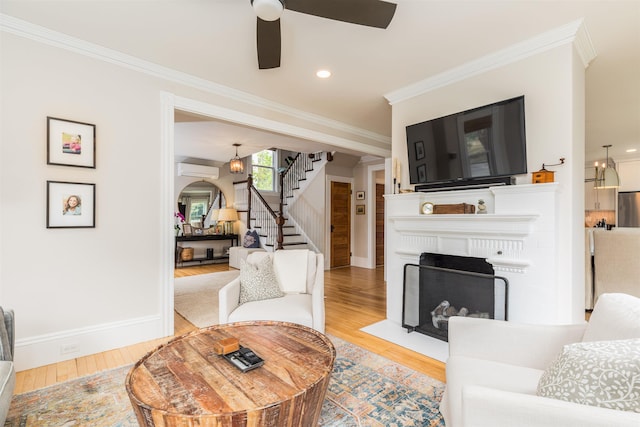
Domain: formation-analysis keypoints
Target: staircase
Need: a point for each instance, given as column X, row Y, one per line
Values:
column 278, row 228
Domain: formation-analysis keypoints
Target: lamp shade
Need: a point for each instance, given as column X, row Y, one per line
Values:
column 608, row 179
column 228, row 214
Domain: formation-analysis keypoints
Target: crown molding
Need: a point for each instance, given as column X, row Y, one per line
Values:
column 574, row 32
column 44, row 35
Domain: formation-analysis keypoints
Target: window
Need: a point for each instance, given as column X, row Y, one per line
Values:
column 263, row 169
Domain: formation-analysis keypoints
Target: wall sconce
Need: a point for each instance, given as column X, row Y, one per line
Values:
column 606, row 175
column 235, row 164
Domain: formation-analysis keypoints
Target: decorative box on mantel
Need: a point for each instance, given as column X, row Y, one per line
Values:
column 518, row 236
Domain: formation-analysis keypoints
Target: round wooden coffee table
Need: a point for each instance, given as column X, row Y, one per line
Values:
column 184, row 382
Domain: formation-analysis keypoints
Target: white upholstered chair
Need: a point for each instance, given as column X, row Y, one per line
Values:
column 294, row 268
column 494, row 368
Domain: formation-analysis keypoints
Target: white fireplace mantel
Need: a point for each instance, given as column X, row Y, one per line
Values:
column 483, row 224
column 517, row 236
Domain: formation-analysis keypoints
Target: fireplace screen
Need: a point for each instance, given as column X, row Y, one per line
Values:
column 433, row 294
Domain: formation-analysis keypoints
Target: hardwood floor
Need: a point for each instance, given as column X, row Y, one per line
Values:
column 355, row 297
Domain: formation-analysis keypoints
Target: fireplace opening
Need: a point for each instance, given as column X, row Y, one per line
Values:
column 442, row 286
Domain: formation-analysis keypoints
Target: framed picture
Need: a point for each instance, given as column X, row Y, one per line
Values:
column 419, row 150
column 359, row 195
column 71, row 205
column 422, row 173
column 71, row 143
column 359, row 209
column 187, row 230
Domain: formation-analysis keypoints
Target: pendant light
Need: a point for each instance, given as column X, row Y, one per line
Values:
column 235, row 164
column 607, row 177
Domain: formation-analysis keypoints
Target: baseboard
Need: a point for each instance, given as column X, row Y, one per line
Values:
column 52, row 348
column 360, row 262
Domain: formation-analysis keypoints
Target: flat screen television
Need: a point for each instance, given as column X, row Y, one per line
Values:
column 475, row 145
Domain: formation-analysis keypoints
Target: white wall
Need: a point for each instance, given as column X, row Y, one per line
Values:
column 89, row 290
column 308, row 213
column 553, row 85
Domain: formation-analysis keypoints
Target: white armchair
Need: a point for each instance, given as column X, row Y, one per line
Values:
column 305, row 308
column 494, row 368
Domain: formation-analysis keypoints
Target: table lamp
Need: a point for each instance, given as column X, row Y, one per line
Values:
column 228, row 216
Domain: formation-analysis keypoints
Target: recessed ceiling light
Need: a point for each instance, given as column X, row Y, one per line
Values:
column 323, row 74
column 632, row 150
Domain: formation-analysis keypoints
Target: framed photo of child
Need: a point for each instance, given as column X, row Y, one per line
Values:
column 71, row 205
column 71, row 143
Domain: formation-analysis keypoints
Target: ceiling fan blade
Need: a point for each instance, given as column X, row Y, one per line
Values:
column 268, row 43
column 372, row 13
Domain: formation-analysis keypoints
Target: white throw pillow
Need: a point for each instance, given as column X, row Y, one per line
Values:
column 291, row 268
column 597, row 373
column 258, row 281
column 615, row 317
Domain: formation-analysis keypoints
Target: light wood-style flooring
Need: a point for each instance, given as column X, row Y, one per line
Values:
column 355, row 297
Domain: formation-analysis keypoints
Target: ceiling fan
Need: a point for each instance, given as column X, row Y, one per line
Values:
column 371, row 13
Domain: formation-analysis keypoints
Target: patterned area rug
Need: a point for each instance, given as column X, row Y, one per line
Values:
column 365, row 390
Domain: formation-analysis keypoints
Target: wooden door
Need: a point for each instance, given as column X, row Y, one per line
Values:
column 379, row 224
column 340, row 224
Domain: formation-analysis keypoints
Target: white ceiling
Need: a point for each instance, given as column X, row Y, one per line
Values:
column 215, row 40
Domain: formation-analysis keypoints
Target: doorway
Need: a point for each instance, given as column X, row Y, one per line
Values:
column 379, row 224
column 340, row 227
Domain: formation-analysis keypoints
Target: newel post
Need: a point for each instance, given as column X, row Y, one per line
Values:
column 249, row 185
column 280, row 220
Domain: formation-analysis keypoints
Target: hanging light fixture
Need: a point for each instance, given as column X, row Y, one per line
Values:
column 235, row 164
column 607, row 177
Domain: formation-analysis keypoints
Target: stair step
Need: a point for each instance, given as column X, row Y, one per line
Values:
column 284, row 226
column 295, row 244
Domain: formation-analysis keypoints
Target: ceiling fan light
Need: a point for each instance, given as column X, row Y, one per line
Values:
column 268, row 10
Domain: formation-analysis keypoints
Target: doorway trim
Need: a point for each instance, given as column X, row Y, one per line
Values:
column 371, row 208
column 169, row 102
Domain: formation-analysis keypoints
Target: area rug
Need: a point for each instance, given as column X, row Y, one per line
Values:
column 365, row 390
column 196, row 297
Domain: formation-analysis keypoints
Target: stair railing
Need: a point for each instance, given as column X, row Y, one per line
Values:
column 261, row 213
column 258, row 209
column 296, row 171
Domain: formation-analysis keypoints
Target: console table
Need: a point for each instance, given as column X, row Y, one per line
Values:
column 204, row 238
column 185, row 383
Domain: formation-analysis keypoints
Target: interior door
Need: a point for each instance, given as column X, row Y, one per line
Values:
column 379, row 224
column 340, row 224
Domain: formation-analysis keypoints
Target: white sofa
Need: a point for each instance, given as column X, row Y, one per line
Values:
column 494, row 368
column 306, row 308
column 7, row 369
column 238, row 253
